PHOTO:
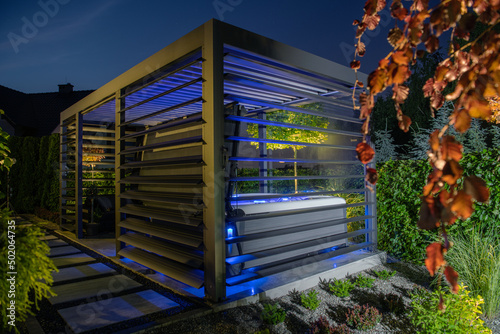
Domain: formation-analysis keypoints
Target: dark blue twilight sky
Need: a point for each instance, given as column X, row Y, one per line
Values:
column 88, row 43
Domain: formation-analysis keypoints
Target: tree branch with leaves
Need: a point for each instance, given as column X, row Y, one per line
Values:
column 471, row 69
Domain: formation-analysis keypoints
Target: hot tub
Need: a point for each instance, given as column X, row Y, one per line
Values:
column 274, row 231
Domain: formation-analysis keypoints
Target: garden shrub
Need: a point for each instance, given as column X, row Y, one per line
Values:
column 310, row 300
column 364, row 281
column 384, row 274
column 273, row 314
column 340, row 288
column 363, row 317
column 461, row 312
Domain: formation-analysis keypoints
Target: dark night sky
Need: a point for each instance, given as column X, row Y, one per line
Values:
column 88, row 43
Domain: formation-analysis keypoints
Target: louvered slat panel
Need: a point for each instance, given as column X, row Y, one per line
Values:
column 184, row 255
column 182, row 273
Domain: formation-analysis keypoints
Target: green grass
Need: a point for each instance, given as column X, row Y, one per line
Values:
column 477, row 261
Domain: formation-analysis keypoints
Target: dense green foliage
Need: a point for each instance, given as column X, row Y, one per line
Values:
column 478, row 263
column 34, row 179
column 364, row 281
column 273, row 314
column 340, row 288
column 398, row 203
column 384, row 274
column 461, row 313
column 310, row 300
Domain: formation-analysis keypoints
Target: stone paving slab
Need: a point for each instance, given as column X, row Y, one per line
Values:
column 57, row 243
column 48, row 237
column 74, row 259
column 82, row 272
column 111, row 311
column 98, row 287
column 66, row 250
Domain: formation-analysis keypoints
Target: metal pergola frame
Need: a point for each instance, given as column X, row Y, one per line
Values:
column 207, row 44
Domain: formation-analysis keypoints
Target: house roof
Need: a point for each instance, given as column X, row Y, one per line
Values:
column 36, row 114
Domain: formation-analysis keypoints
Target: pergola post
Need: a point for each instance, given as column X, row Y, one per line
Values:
column 213, row 174
column 78, row 175
column 119, row 160
column 371, row 208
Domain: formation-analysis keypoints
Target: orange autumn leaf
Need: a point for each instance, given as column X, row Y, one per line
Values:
column 371, row 176
column 435, row 257
column 462, row 205
column 365, row 152
column 452, row 277
column 476, row 188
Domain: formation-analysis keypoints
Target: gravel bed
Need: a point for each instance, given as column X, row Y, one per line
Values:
column 246, row 319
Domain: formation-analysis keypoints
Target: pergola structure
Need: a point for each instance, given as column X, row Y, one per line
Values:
column 197, row 197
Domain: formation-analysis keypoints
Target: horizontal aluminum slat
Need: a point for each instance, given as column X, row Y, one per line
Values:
column 164, row 180
column 167, row 215
column 184, row 255
column 163, row 197
column 282, row 70
column 171, row 90
column 297, row 211
column 171, row 124
column 182, row 65
column 279, row 178
column 270, row 270
column 300, row 194
column 286, row 142
column 68, row 217
column 109, row 147
column 170, row 143
column 182, row 273
column 311, row 161
column 289, row 230
column 268, row 85
column 289, row 125
column 159, row 112
column 160, row 231
column 191, row 160
column 292, row 250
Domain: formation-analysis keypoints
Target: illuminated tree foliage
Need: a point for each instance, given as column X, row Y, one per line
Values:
column 291, row 134
column 91, row 154
column 472, row 69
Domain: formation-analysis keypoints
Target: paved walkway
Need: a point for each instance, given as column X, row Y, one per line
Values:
column 93, row 297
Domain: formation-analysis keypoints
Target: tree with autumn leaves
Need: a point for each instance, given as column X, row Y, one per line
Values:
column 471, row 69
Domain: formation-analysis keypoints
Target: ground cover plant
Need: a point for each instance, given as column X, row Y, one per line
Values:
column 384, row 274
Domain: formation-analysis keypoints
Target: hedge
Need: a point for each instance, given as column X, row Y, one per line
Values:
column 398, row 203
column 34, row 178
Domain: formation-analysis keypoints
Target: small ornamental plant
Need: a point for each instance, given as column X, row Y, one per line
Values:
column 310, row 300
column 432, row 312
column 341, row 288
column 363, row 317
column 385, row 274
column 273, row 314
column 364, row 281
column 323, row 326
